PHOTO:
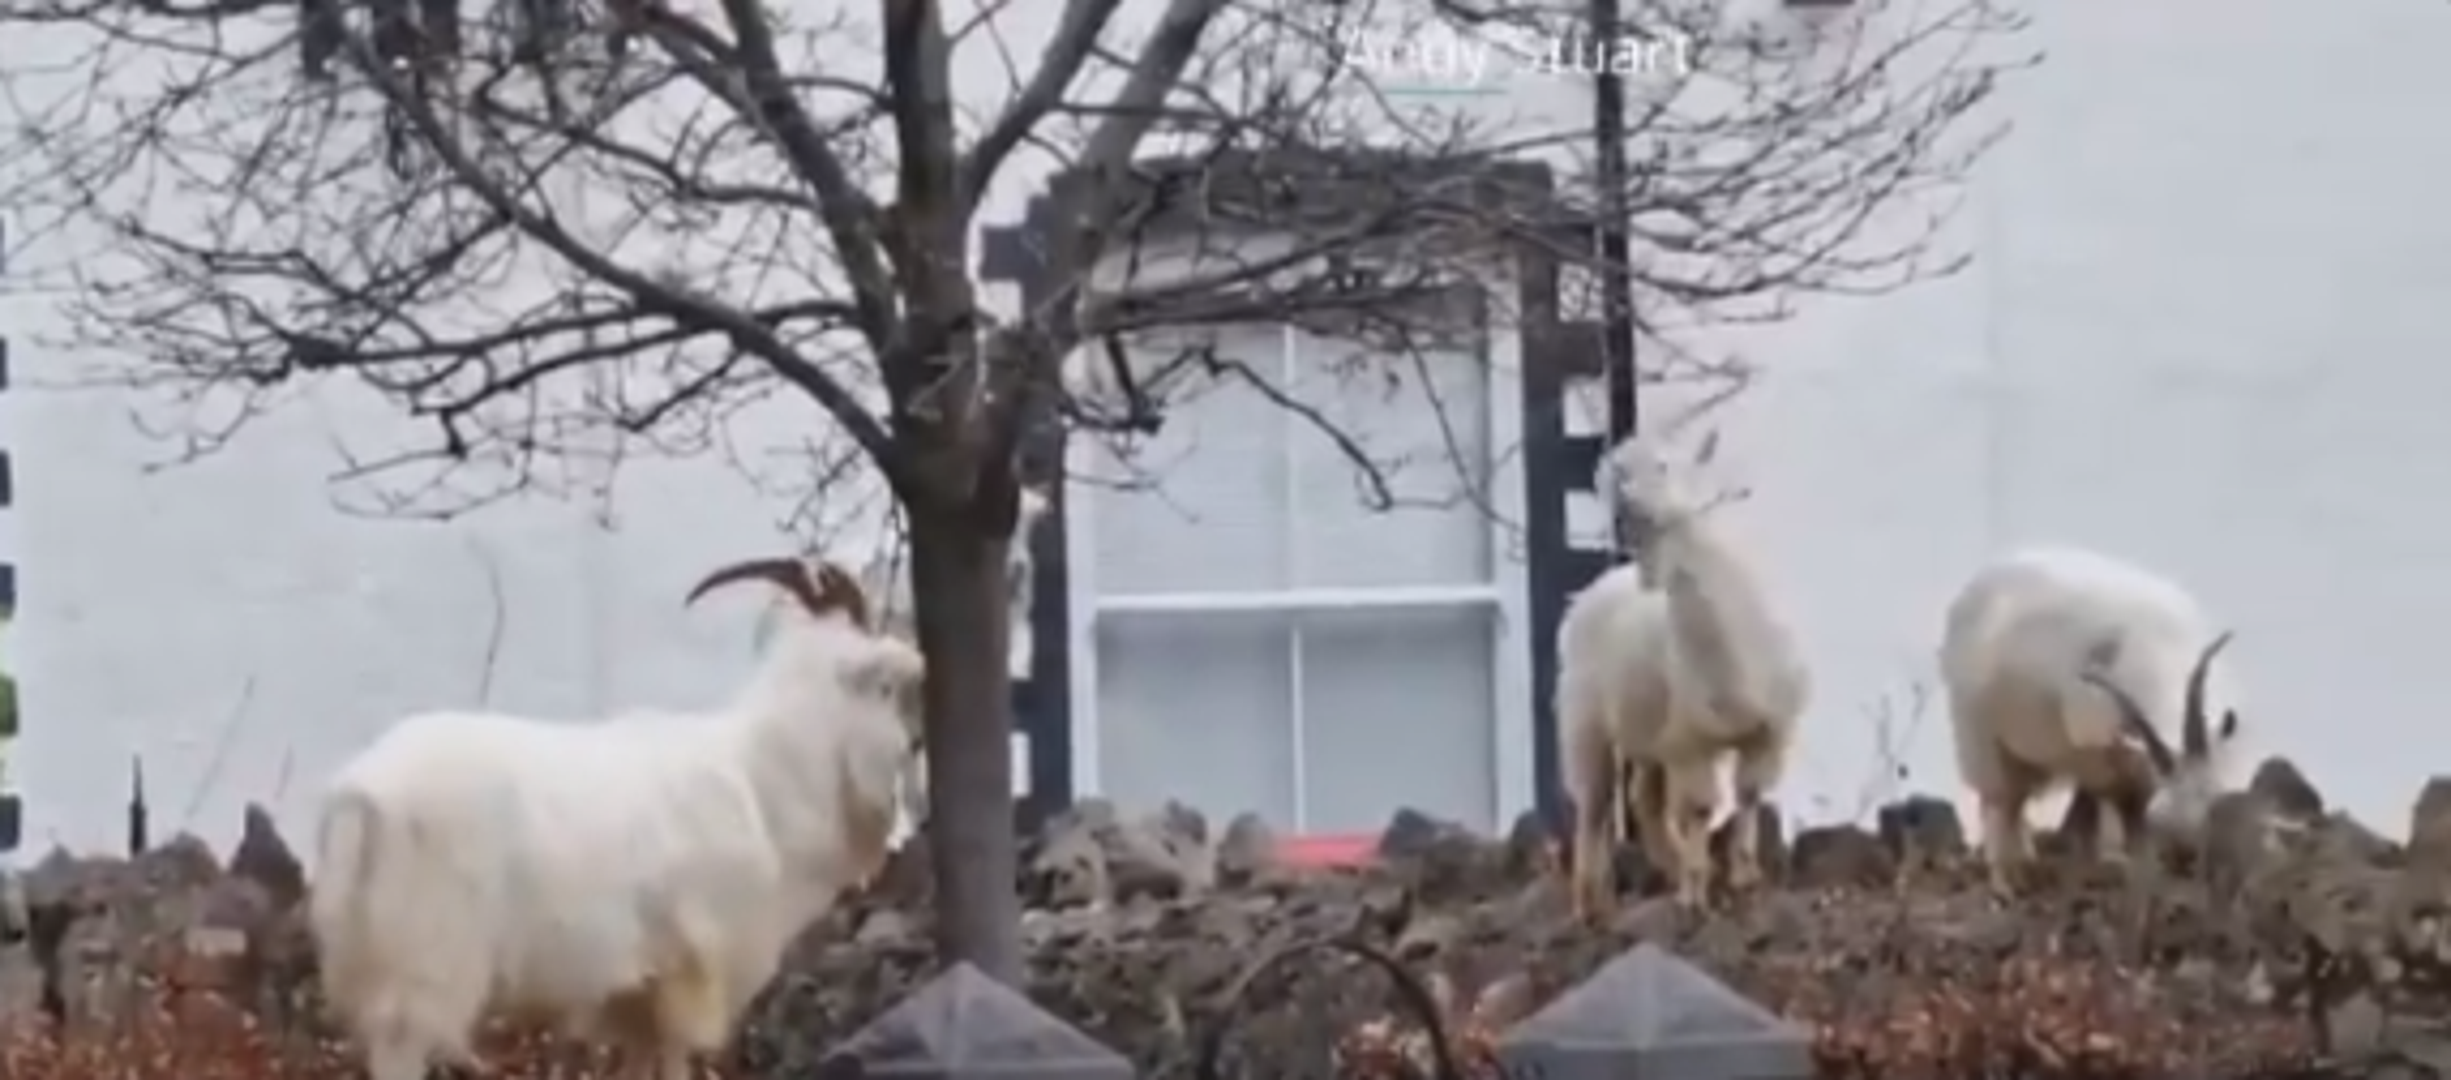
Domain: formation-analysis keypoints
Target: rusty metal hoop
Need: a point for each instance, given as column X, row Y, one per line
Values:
column 1409, row 987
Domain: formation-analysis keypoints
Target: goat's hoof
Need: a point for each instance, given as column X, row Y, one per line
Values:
column 2008, row 885
column 1590, row 901
column 1592, row 912
column 1744, row 880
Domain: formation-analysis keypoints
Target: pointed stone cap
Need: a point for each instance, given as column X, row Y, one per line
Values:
column 1650, row 1013
column 964, row 1025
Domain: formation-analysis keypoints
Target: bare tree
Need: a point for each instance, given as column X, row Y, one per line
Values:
column 552, row 229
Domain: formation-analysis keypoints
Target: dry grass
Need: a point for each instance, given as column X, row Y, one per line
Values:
column 193, row 1029
column 170, row 1037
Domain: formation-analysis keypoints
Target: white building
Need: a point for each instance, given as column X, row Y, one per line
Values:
column 2194, row 335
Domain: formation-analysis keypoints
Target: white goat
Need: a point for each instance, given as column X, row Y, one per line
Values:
column 1669, row 674
column 636, row 878
column 2064, row 666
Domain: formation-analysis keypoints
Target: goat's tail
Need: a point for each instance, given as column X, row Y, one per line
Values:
column 348, row 842
column 390, row 929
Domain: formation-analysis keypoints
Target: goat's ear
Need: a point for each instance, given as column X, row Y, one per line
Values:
column 1710, row 448
column 2229, row 724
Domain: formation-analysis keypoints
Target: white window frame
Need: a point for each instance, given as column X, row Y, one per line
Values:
column 1513, row 784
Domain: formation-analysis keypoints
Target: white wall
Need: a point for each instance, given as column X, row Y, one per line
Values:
column 2198, row 334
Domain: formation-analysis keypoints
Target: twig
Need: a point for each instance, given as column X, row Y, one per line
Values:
column 500, row 619
column 211, row 776
column 280, row 780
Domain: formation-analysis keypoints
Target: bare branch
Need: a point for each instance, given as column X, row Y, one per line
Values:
column 552, row 252
column 1076, row 35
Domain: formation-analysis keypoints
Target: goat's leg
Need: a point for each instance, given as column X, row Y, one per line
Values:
column 672, row 1062
column 1622, row 825
column 396, row 1058
column 1759, row 764
column 2110, row 832
column 2008, row 849
column 1592, row 881
column 1650, row 805
column 1691, row 803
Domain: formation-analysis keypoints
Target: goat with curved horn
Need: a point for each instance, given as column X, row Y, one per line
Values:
column 2035, row 646
column 637, row 877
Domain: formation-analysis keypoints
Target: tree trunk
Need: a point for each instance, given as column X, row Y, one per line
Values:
column 957, row 577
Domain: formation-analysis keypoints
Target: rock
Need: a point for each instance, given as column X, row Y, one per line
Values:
column 1442, row 858
column 253, row 947
column 2286, row 789
column 1180, row 820
column 908, row 878
column 1412, row 833
column 263, row 857
column 186, row 862
column 2356, row 1027
column 1062, row 865
column 1770, row 841
column 2351, row 839
column 1089, row 855
column 1839, row 856
column 1530, row 849
column 1922, row 832
column 2240, row 837
column 60, row 878
column 1634, row 871
column 1069, row 870
column 2429, row 822
column 1162, row 855
column 1248, row 849
column 2168, row 986
column 1430, row 935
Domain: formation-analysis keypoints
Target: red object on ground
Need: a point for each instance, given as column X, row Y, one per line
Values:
column 1331, row 849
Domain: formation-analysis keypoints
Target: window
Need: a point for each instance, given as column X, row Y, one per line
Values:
column 1258, row 635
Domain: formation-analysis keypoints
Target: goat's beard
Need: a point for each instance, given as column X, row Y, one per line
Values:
column 914, row 785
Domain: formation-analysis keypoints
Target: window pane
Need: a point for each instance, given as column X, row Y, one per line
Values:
column 1214, row 517
column 1423, row 421
column 1195, row 708
column 1396, row 713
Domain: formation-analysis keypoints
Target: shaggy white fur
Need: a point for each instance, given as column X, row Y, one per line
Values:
column 2065, row 666
column 1667, row 665
column 635, row 878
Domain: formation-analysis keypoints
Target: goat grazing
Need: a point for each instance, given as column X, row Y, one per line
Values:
column 636, row 878
column 1666, row 664
column 2065, row 666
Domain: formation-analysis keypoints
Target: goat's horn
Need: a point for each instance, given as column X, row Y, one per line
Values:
column 837, row 590
column 784, row 574
column 2133, row 718
column 2194, row 733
